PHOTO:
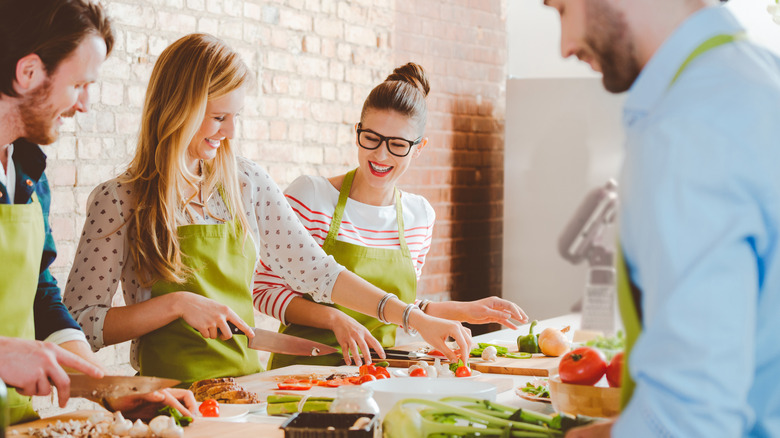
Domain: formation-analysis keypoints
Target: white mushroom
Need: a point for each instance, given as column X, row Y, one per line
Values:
column 120, row 426
column 490, row 353
column 159, row 424
column 173, row 430
column 139, row 430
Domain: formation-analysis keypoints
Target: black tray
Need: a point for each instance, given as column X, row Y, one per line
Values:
column 315, row 425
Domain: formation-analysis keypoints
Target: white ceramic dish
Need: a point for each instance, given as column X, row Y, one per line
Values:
column 404, row 372
column 387, row 392
column 227, row 412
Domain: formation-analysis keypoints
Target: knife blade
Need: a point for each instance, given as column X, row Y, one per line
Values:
column 91, row 388
column 408, row 355
column 274, row 342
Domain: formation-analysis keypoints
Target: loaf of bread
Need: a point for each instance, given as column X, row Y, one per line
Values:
column 223, row 390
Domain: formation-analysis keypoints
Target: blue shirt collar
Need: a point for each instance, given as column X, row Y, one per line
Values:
column 654, row 80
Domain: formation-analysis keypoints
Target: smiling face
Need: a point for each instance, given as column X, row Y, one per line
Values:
column 379, row 170
column 62, row 93
column 218, row 124
column 597, row 33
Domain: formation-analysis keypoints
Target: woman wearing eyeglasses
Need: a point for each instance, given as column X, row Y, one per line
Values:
column 371, row 227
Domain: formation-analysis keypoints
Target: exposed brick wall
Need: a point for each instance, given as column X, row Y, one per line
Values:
column 462, row 43
column 315, row 61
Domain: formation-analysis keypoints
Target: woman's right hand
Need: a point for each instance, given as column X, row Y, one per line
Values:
column 436, row 331
column 208, row 317
column 354, row 338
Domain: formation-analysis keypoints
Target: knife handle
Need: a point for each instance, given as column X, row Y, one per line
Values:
column 235, row 330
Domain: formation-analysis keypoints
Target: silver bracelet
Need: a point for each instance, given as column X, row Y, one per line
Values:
column 424, row 304
column 380, row 308
column 405, row 320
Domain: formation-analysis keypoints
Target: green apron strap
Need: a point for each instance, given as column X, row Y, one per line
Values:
column 631, row 323
column 338, row 213
column 628, row 307
column 400, row 215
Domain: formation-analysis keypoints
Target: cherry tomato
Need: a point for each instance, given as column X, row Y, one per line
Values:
column 367, row 369
column 583, row 366
column 381, row 371
column 463, row 371
column 209, row 402
column 366, row 378
column 614, row 370
column 294, row 386
column 418, row 372
column 210, row 409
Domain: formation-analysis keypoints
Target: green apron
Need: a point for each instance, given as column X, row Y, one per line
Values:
column 628, row 294
column 223, row 263
column 391, row 270
column 21, row 246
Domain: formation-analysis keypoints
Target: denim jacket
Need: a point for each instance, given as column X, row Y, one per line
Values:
column 49, row 312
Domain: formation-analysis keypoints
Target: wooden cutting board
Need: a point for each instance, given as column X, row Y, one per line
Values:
column 539, row 365
column 198, row 429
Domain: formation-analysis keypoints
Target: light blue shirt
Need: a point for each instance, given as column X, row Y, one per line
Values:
column 700, row 217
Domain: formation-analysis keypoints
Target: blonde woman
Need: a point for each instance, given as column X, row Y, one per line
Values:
column 378, row 231
column 185, row 227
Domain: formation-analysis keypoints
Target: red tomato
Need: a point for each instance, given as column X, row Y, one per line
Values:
column 435, row 353
column 463, row 371
column 209, row 402
column 381, row 376
column 614, row 370
column 583, row 366
column 294, row 386
column 381, row 371
column 210, row 409
column 367, row 369
column 366, row 378
column 418, row 372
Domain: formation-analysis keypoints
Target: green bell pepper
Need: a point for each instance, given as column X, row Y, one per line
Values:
column 530, row 342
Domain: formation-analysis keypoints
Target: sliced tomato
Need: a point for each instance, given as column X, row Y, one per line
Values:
column 335, row 383
column 382, row 376
column 435, row 353
column 367, row 369
column 463, row 371
column 322, row 383
column 209, row 402
column 294, row 386
column 381, row 371
column 366, row 378
column 418, row 372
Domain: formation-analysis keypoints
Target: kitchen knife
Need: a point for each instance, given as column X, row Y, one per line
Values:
column 91, row 388
column 274, row 342
column 407, row 355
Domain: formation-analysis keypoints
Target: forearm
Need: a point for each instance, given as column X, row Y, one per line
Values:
column 357, row 294
column 125, row 323
column 304, row 312
column 446, row 309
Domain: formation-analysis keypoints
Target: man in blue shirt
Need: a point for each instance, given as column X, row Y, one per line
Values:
column 700, row 212
column 50, row 53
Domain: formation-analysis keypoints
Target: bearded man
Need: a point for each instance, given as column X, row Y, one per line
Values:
column 699, row 215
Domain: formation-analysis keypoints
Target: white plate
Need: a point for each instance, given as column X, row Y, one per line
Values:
column 389, row 391
column 404, row 372
column 227, row 412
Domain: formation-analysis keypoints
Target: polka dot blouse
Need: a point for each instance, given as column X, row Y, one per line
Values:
column 103, row 260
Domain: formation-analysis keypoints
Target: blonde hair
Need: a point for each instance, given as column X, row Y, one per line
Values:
column 190, row 72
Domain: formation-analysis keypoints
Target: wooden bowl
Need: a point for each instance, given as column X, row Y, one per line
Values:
column 593, row 401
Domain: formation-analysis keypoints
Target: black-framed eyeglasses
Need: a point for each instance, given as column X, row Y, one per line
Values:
column 400, row 147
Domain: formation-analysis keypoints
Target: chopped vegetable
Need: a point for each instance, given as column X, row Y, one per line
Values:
column 463, row 371
column 177, row 416
column 289, row 404
column 299, row 386
column 418, row 372
column 209, row 409
column 537, row 390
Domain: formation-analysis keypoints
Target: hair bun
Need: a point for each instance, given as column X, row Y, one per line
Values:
column 413, row 74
